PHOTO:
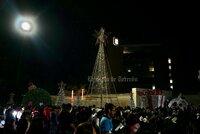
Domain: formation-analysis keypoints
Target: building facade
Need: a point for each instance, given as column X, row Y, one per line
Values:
column 152, row 66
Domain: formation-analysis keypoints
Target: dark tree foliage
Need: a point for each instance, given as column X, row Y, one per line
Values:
column 36, row 97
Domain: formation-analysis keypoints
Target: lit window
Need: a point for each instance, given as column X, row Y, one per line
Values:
column 129, row 70
column 127, row 52
column 170, row 67
column 153, row 87
column 151, row 69
column 169, row 60
column 171, row 86
column 171, row 81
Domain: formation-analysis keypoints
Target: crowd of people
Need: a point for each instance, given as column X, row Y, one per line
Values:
column 111, row 119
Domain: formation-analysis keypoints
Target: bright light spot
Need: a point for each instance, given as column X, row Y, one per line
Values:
column 151, row 68
column 153, row 87
column 171, row 81
column 19, row 114
column 115, row 41
column 14, row 113
column 129, row 70
column 169, row 60
column 170, row 67
column 171, row 87
column 2, row 122
column 26, row 26
column 127, row 52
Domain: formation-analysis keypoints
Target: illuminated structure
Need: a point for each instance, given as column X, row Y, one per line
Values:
column 142, row 63
column 102, row 89
column 61, row 94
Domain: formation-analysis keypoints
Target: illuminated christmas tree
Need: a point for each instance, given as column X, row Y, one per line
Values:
column 61, row 99
column 102, row 89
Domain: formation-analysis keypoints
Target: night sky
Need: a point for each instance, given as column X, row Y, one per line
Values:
column 64, row 46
